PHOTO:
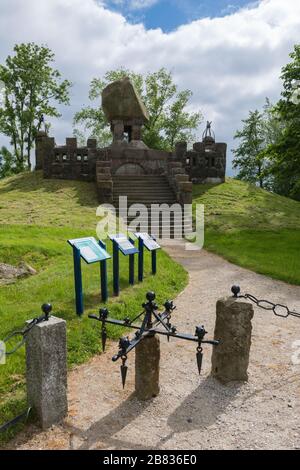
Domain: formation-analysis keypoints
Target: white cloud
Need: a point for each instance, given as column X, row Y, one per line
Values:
column 137, row 4
column 230, row 63
column 133, row 4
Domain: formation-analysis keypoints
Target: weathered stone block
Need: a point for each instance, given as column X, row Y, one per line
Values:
column 180, row 149
column 181, row 178
column 175, row 164
column 92, row 143
column 147, row 357
column 121, row 101
column 46, row 371
column 71, row 142
column 176, row 171
column 233, row 328
column 185, row 186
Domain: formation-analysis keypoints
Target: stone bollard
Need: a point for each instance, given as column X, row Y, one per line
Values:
column 147, row 356
column 46, row 371
column 233, row 327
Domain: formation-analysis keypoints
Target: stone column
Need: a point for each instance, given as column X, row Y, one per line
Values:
column 147, row 356
column 233, row 328
column 46, row 371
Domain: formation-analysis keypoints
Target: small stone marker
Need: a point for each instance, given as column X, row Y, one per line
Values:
column 233, row 327
column 147, row 356
column 46, row 371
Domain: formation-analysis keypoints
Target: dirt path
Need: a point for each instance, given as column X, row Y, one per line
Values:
column 191, row 412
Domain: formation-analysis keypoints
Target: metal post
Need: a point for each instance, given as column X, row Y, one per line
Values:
column 153, row 259
column 141, row 260
column 131, row 266
column 116, row 273
column 78, row 281
column 103, row 274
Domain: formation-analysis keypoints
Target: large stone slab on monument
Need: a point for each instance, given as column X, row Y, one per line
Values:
column 46, row 371
column 180, row 178
column 147, row 357
column 121, row 101
column 233, row 327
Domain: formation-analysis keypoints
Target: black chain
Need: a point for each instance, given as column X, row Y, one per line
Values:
column 279, row 310
column 46, row 308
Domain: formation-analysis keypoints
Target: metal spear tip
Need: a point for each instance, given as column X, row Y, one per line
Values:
column 235, row 290
column 46, row 308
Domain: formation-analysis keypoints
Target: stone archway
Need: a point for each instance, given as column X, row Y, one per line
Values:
column 130, row 169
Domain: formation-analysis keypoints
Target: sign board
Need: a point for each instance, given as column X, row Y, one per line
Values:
column 148, row 241
column 89, row 249
column 124, row 245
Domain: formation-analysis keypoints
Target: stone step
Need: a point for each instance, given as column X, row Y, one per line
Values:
column 142, row 187
column 137, row 192
column 145, row 202
column 138, row 177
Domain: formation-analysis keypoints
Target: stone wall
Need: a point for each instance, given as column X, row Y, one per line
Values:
column 66, row 161
column 205, row 163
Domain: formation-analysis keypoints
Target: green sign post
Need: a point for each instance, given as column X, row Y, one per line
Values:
column 127, row 248
column 147, row 241
column 91, row 252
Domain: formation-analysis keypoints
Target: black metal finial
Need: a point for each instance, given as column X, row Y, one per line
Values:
column 235, row 290
column 200, row 332
column 103, row 313
column 46, row 308
column 169, row 306
column 150, row 296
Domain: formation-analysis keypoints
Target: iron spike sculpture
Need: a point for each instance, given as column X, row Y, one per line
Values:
column 150, row 323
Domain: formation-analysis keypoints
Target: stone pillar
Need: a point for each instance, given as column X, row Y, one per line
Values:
column 39, row 150
column 118, row 130
column 46, row 371
column 233, row 328
column 92, row 143
column 180, row 150
column 147, row 356
column 71, row 142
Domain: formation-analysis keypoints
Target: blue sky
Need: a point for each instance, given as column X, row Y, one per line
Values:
column 169, row 14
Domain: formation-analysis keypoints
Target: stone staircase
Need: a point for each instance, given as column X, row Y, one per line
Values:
column 149, row 190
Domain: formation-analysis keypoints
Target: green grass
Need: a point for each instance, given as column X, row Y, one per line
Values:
column 37, row 216
column 252, row 228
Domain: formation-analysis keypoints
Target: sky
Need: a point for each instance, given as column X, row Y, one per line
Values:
column 229, row 53
column 169, row 14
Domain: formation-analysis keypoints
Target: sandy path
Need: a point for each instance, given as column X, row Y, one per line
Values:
column 191, row 412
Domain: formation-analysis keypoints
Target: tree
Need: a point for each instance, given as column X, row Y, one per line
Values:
column 169, row 120
column 30, row 88
column 8, row 164
column 285, row 153
column 248, row 157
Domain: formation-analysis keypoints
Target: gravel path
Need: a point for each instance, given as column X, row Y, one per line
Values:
column 191, row 412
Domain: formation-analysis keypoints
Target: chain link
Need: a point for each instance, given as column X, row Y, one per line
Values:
column 24, row 332
column 279, row 310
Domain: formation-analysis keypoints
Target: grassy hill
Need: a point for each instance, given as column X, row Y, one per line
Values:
column 252, row 227
column 246, row 225
column 37, row 217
